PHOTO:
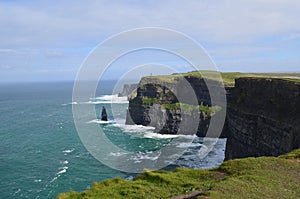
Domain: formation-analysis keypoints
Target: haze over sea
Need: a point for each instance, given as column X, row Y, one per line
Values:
column 41, row 154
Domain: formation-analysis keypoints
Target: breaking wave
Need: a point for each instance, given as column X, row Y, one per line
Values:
column 98, row 121
column 104, row 99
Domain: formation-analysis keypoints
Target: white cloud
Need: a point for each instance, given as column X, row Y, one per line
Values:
column 41, row 23
column 237, row 33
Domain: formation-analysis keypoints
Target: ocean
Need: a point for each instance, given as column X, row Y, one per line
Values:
column 41, row 154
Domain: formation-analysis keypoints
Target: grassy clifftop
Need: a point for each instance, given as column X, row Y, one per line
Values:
column 227, row 77
column 263, row 177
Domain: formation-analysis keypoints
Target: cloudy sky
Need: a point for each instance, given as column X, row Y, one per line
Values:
column 48, row 40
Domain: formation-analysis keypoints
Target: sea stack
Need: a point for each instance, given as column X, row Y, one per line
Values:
column 103, row 114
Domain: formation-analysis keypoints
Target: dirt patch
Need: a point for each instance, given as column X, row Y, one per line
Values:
column 192, row 195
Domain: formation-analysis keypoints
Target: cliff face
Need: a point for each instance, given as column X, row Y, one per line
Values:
column 263, row 117
column 156, row 104
column 263, row 114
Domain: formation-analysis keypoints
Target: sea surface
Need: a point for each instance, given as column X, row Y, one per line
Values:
column 41, row 154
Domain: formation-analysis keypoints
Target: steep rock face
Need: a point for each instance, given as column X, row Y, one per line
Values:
column 171, row 121
column 263, row 117
column 147, row 108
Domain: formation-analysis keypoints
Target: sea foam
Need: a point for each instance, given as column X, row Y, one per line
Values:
column 68, row 150
column 98, row 121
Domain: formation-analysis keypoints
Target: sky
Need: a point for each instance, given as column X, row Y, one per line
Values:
column 49, row 40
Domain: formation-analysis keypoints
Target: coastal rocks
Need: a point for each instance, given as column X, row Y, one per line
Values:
column 263, row 118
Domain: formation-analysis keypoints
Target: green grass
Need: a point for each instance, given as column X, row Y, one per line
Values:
column 207, row 110
column 228, row 78
column 187, row 107
column 263, row 177
column 149, row 100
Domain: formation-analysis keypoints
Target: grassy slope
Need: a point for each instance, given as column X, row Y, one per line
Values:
column 263, row 177
column 228, row 77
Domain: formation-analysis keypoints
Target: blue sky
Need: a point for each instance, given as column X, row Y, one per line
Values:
column 48, row 40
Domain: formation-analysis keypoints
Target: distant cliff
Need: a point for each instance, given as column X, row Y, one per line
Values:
column 128, row 89
column 263, row 117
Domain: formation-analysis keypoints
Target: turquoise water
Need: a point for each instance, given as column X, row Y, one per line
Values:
column 41, row 153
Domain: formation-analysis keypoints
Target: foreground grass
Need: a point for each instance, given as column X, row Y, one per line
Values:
column 263, row 177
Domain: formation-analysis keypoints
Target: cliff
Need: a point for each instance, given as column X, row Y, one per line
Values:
column 263, row 117
column 263, row 114
column 157, row 104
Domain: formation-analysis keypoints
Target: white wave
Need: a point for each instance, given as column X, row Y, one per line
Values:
column 106, row 102
column 138, row 157
column 193, row 157
column 65, row 162
column 38, row 180
column 188, row 145
column 64, row 170
column 159, row 136
column 129, row 178
column 98, row 121
column 148, row 132
column 71, row 103
column 104, row 99
column 53, row 179
column 135, row 128
column 68, row 151
column 111, row 98
column 117, row 154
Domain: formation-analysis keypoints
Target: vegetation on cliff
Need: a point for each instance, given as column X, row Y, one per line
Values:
column 263, row 177
column 227, row 77
column 206, row 110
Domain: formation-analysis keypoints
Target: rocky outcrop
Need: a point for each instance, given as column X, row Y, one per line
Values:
column 103, row 114
column 156, row 104
column 263, row 117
